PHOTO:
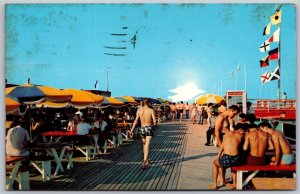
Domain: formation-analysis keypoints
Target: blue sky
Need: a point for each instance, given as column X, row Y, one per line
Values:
column 63, row 45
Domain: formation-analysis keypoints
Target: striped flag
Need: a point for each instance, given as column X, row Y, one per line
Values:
column 273, row 54
column 267, row 29
column 275, row 36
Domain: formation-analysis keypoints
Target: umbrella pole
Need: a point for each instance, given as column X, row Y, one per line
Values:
column 30, row 127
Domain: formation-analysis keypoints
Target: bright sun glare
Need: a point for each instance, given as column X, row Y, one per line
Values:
column 185, row 92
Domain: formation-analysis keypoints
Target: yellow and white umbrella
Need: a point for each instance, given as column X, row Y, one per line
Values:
column 208, row 98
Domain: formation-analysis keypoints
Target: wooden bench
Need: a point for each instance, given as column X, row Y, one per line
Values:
column 274, row 183
column 18, row 173
column 246, row 168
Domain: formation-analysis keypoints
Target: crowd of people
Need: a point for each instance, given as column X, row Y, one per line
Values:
column 239, row 141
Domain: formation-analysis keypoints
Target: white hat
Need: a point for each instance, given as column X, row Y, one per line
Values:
column 79, row 113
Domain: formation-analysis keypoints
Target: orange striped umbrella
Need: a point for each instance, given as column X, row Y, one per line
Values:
column 31, row 94
column 130, row 100
column 84, row 98
column 11, row 105
column 209, row 98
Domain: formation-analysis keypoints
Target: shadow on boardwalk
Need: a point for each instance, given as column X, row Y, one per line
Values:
column 172, row 153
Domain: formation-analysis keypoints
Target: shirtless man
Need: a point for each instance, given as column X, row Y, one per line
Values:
column 258, row 142
column 173, row 112
column 147, row 118
column 223, row 122
column 281, row 144
column 228, row 156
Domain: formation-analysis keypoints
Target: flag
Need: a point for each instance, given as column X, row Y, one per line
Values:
column 264, row 62
column 276, row 18
column 273, row 54
column 96, row 84
column 265, row 77
column 267, row 29
column 265, row 46
column 274, row 75
column 275, row 36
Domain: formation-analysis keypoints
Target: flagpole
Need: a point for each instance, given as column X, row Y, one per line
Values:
column 279, row 58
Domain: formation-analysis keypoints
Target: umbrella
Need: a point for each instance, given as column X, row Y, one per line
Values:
column 83, row 99
column 49, row 104
column 163, row 101
column 127, row 100
column 111, row 101
column 208, row 98
column 11, row 105
column 32, row 94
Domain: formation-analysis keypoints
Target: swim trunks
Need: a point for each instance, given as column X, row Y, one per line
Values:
column 287, row 159
column 255, row 161
column 227, row 161
column 146, row 131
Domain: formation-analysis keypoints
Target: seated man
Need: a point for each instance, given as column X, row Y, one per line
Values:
column 228, row 156
column 211, row 129
column 258, row 142
column 83, row 129
column 280, row 143
column 17, row 138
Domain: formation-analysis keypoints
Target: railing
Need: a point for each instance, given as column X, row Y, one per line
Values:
column 275, row 104
column 286, row 127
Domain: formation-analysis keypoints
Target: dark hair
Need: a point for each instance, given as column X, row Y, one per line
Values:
column 146, row 101
column 18, row 120
column 251, row 118
column 242, row 115
column 265, row 124
column 234, row 107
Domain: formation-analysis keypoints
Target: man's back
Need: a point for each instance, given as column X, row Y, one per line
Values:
column 231, row 142
column 16, row 140
column 258, row 141
column 284, row 145
column 146, row 116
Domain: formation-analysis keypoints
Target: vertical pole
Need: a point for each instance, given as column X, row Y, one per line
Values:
column 279, row 64
column 245, row 77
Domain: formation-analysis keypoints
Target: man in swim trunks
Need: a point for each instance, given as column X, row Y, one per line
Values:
column 228, row 156
column 223, row 121
column 283, row 150
column 147, row 118
column 258, row 142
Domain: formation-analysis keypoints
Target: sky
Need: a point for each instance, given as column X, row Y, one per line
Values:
column 190, row 48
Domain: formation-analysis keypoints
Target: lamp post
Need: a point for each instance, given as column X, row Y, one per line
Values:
column 236, row 75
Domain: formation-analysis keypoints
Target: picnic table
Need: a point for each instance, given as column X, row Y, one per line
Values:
column 55, row 149
column 59, row 134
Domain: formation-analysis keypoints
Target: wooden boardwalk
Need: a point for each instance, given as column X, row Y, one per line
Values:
column 181, row 162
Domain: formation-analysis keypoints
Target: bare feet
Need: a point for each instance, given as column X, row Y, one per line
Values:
column 232, row 186
column 213, row 187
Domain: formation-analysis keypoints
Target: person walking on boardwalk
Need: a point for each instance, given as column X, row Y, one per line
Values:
column 147, row 118
column 173, row 112
column 187, row 110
